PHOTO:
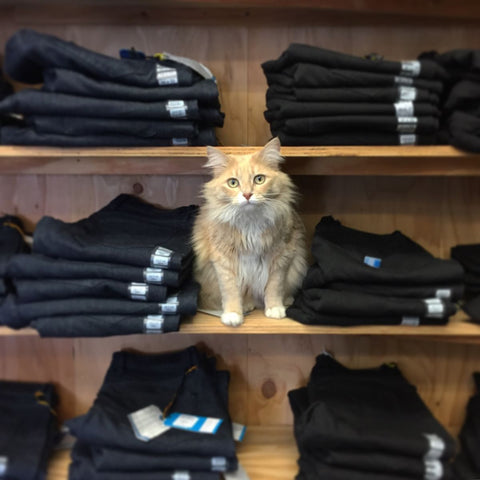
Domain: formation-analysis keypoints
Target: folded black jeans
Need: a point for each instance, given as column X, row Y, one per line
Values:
column 126, row 231
column 28, row 53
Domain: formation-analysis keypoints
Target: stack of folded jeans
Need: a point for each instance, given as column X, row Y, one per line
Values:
column 367, row 424
column 469, row 257
column 28, row 429
column 12, row 242
column 125, row 269
column 460, row 105
column 467, row 462
column 361, row 278
column 183, row 382
column 323, row 97
column 90, row 99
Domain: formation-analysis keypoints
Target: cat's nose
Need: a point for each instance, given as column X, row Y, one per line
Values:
column 247, row 196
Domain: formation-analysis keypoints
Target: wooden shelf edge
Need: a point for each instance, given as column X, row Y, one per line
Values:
column 361, row 161
column 458, row 330
column 267, row 452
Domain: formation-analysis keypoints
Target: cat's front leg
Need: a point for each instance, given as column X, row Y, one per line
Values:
column 274, row 291
column 231, row 296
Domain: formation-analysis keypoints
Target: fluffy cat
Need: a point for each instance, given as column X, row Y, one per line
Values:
column 249, row 241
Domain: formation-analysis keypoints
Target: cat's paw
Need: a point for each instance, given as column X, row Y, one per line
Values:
column 276, row 312
column 232, row 319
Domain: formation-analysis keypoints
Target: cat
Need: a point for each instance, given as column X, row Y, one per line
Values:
column 248, row 239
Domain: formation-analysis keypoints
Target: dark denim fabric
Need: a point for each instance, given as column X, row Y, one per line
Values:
column 41, row 267
column 75, row 83
column 87, row 126
column 28, row 428
column 301, row 53
column 310, row 75
column 29, row 53
column 126, row 231
column 134, row 381
column 13, row 135
column 84, row 325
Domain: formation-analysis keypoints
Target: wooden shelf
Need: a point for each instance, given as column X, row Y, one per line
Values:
column 459, row 329
column 359, row 161
column 266, row 452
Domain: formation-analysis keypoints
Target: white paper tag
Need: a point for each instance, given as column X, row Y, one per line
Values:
column 411, row 68
column 166, row 75
column 138, row 291
column 161, row 257
column 153, row 275
column 170, row 306
column 399, row 80
column 436, row 447
column 443, row 293
column 239, row 474
column 407, row 139
column 200, row 68
column 193, row 423
column 410, row 321
column 177, row 108
column 219, row 464
column 153, row 324
column 433, row 470
column 179, row 142
column 435, row 309
column 238, row 431
column 372, row 261
column 407, row 93
column 147, row 423
column 3, row 465
column 406, row 124
column 181, row 475
column 404, row 109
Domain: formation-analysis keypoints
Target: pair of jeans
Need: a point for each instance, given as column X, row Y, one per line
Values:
column 302, row 53
column 29, row 53
column 311, row 75
column 59, row 80
column 28, row 428
column 37, row 102
column 283, row 109
column 464, row 131
column 186, row 378
column 126, row 231
column 41, row 267
column 355, row 423
column 352, row 94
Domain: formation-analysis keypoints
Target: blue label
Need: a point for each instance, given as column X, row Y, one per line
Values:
column 193, row 423
column 372, row 261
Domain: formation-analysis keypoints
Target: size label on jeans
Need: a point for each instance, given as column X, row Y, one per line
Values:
column 372, row 261
column 153, row 324
column 147, row 423
column 193, row 423
column 407, row 93
column 170, row 306
column 179, row 142
column 411, row 68
column 177, row 108
column 407, row 139
column 404, row 109
column 219, row 464
column 161, row 257
column 433, row 470
column 153, row 275
column 138, row 291
column 181, row 475
column 166, row 75
column 3, row 465
column 399, row 80
column 443, row 293
column 407, row 124
column 436, row 446
column 410, row 321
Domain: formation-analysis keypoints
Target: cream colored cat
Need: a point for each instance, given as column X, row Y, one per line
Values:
column 248, row 239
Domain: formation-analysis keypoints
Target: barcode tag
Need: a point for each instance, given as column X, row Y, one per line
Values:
column 239, row 474
column 153, row 324
column 170, row 306
column 443, row 293
column 138, row 291
column 399, row 80
column 161, row 257
column 406, row 124
column 177, row 108
column 436, row 447
column 3, row 465
column 407, row 139
column 372, row 261
column 219, row 464
column 410, row 321
column 238, row 431
column 147, row 423
column 193, row 423
column 404, row 109
column 166, row 75
column 407, row 93
column 433, row 470
column 153, row 275
column 411, row 68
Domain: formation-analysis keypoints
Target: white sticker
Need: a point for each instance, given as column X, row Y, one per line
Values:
column 435, row 309
column 239, row 474
column 407, row 139
column 138, row 291
column 147, row 423
column 170, row 306
column 399, row 80
column 238, row 431
column 193, row 423
column 3, row 465
column 406, row 124
column 443, row 293
column 153, row 275
column 161, row 257
column 219, row 464
column 153, row 324
column 411, row 68
column 181, row 475
column 436, row 446
column 404, row 109
column 166, row 75
column 407, row 93
column 179, row 142
column 177, row 108
column 433, row 470
column 410, row 321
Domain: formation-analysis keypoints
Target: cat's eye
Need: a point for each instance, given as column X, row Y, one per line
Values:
column 232, row 182
column 259, row 179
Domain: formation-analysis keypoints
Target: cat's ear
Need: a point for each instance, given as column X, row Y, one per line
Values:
column 271, row 153
column 217, row 160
